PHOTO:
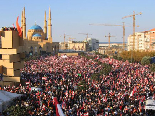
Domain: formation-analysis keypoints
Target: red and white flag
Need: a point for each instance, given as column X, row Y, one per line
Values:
column 133, row 91
column 86, row 114
column 27, row 83
column 44, row 78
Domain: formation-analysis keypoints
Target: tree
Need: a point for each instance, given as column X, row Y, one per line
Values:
column 153, row 67
column 136, row 56
column 145, row 60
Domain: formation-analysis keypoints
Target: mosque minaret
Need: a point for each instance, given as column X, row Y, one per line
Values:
column 45, row 26
column 24, row 24
column 49, row 27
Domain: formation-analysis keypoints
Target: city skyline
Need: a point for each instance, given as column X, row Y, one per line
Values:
column 73, row 17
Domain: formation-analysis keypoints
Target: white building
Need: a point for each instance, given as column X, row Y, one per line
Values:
column 93, row 43
column 142, row 41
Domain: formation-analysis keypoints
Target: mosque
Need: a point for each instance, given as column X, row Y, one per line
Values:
column 37, row 40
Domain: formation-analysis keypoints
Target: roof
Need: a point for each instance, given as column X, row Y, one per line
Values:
column 36, row 27
column 152, row 29
column 36, row 35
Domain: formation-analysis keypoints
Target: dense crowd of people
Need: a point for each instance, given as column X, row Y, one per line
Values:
column 121, row 92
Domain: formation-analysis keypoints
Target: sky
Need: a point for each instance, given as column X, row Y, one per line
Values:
column 74, row 16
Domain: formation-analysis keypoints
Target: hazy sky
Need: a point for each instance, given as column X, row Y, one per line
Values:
column 74, row 16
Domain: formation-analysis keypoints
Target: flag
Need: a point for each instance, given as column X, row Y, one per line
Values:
column 59, row 111
column 133, row 91
column 27, row 83
column 56, row 102
column 79, row 74
column 105, row 99
column 18, row 28
column 66, row 93
column 44, row 78
column 86, row 114
column 99, row 101
column 63, row 105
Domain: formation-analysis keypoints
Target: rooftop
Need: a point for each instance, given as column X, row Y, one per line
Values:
column 36, row 27
column 152, row 29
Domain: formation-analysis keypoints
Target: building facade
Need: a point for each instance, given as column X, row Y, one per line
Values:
column 115, row 47
column 144, row 41
column 37, row 40
column 93, row 43
column 74, row 46
column 139, row 41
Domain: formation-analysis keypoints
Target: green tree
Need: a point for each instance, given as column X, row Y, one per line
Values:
column 145, row 60
column 153, row 67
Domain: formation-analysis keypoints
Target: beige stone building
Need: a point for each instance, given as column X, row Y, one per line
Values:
column 12, row 51
column 115, row 47
column 74, row 46
column 37, row 40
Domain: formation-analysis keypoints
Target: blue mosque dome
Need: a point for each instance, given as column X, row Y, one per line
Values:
column 36, row 35
column 36, row 27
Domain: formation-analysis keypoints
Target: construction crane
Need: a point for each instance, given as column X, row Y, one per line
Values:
column 115, row 25
column 64, row 38
column 85, row 34
column 133, row 26
column 71, row 38
column 109, row 36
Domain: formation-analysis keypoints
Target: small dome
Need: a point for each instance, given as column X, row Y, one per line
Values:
column 36, row 35
column 36, row 27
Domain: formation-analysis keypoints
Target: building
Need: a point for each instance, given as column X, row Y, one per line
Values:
column 73, row 46
column 144, row 41
column 139, row 41
column 93, row 43
column 150, row 39
column 12, row 51
column 37, row 40
column 115, row 47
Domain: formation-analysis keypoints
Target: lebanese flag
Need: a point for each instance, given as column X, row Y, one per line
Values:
column 44, row 78
column 59, row 111
column 100, row 92
column 99, row 101
column 86, row 114
column 27, row 83
column 66, row 93
column 105, row 99
column 133, row 91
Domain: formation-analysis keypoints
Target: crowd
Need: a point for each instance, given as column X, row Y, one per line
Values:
column 121, row 92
